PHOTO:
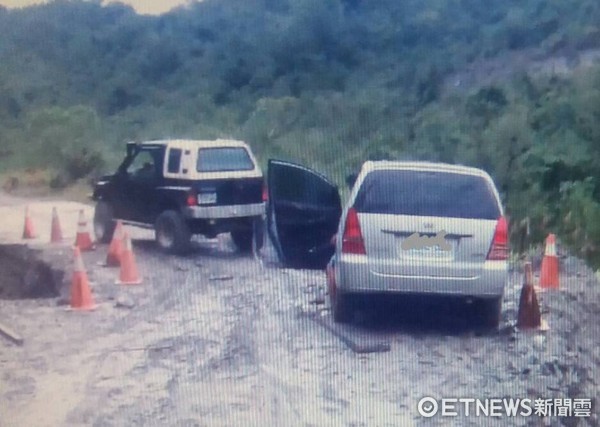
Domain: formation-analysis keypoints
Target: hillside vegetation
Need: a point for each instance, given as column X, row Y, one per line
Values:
column 329, row 83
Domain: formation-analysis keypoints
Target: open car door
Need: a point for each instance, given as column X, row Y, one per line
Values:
column 303, row 213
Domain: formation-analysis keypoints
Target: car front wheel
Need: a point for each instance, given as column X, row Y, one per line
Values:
column 172, row 233
column 104, row 224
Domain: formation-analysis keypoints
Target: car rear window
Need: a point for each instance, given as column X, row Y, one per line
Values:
column 424, row 193
column 223, row 159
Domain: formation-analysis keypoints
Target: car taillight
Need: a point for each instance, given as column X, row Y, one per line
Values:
column 352, row 240
column 499, row 248
column 192, row 198
column 265, row 193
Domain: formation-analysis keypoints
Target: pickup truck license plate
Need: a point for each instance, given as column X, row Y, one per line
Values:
column 207, row 198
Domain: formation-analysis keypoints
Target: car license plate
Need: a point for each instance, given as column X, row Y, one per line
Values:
column 207, row 198
column 430, row 251
column 433, row 251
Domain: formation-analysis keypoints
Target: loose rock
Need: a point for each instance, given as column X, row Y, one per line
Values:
column 124, row 301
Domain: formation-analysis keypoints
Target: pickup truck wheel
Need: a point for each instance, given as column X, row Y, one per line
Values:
column 259, row 232
column 172, row 233
column 104, row 224
column 243, row 239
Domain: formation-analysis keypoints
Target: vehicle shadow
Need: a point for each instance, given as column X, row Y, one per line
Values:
column 222, row 249
column 421, row 315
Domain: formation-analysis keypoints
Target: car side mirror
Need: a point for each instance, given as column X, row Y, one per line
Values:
column 351, row 179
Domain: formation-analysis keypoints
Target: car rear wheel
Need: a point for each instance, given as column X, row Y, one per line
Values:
column 341, row 307
column 104, row 224
column 491, row 312
column 172, row 233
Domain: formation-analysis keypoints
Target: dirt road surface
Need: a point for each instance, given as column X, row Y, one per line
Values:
column 220, row 339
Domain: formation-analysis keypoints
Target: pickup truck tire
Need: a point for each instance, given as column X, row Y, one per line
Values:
column 243, row 238
column 172, row 233
column 104, row 223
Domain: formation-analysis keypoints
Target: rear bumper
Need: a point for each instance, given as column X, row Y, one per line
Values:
column 230, row 211
column 354, row 276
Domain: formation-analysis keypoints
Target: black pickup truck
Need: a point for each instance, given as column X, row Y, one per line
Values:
column 184, row 187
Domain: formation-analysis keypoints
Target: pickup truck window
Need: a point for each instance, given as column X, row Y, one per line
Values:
column 174, row 162
column 143, row 166
column 223, row 159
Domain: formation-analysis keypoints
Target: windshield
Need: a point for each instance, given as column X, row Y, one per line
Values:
column 223, row 159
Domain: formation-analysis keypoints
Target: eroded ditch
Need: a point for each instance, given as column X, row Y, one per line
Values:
column 25, row 274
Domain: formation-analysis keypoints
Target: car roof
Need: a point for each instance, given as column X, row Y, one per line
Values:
column 195, row 143
column 372, row 165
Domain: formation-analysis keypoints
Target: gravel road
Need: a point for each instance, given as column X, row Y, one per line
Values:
column 220, row 339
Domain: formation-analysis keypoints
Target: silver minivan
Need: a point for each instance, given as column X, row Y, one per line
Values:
column 407, row 228
column 422, row 228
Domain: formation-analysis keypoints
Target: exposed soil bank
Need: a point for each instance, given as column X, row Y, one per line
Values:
column 23, row 274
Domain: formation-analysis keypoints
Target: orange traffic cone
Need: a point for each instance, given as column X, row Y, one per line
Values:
column 56, row 232
column 83, row 240
column 549, row 269
column 28, row 229
column 81, row 295
column 529, row 316
column 129, row 273
column 113, row 257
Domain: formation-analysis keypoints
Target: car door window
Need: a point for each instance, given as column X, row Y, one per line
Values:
column 304, row 188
